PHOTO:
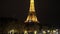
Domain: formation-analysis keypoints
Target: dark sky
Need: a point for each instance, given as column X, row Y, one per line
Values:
column 45, row 10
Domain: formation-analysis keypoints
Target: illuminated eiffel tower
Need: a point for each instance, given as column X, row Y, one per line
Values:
column 31, row 23
column 32, row 15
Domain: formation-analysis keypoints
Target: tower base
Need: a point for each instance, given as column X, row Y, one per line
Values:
column 31, row 26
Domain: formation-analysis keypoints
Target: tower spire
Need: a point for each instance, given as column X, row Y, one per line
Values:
column 32, row 8
column 31, row 15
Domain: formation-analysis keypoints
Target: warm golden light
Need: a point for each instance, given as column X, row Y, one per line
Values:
column 11, row 31
column 44, row 32
column 25, row 32
column 54, row 30
column 48, row 30
column 32, row 9
column 32, row 17
column 35, row 32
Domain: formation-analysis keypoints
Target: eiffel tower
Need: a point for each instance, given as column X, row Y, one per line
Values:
column 31, row 23
column 31, row 15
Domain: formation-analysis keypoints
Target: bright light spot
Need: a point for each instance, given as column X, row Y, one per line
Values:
column 54, row 30
column 32, row 0
column 35, row 32
column 48, row 30
column 44, row 32
column 25, row 32
column 11, row 31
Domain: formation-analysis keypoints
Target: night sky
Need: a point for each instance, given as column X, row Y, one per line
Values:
column 45, row 10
